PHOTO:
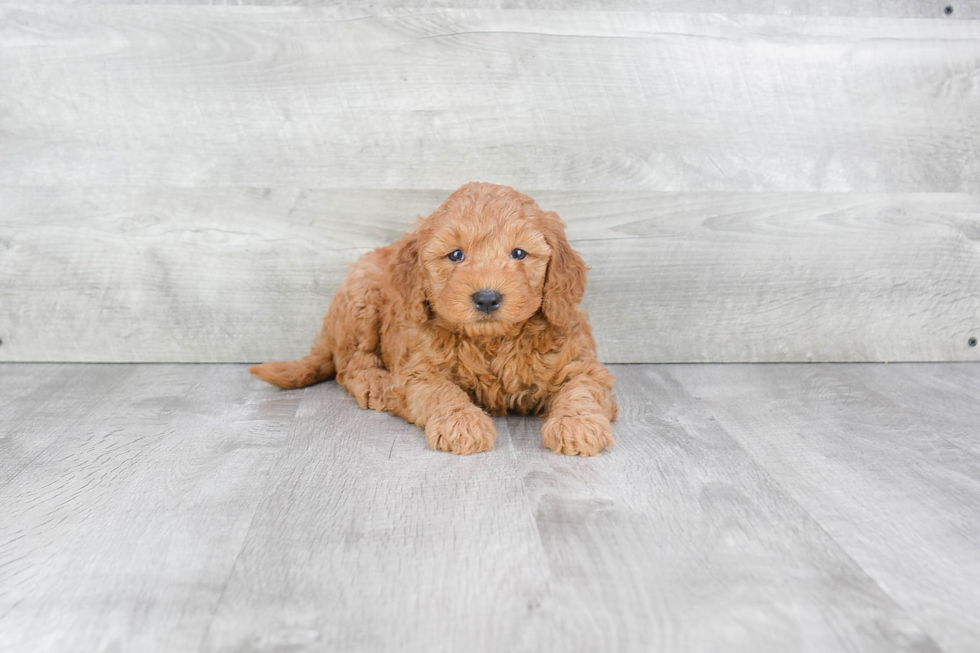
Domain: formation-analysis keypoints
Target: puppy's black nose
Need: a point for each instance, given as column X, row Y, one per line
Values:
column 487, row 300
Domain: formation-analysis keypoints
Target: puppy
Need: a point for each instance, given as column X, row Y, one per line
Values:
column 475, row 311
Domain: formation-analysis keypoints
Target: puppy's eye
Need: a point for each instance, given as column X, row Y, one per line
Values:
column 519, row 254
column 456, row 255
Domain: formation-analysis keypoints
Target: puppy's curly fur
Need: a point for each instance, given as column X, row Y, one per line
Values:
column 404, row 333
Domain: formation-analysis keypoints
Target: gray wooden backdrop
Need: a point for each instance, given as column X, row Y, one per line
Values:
column 751, row 181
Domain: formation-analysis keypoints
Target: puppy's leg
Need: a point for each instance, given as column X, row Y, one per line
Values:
column 373, row 386
column 452, row 422
column 580, row 412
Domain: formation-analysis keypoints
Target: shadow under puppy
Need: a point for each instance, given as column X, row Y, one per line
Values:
column 476, row 310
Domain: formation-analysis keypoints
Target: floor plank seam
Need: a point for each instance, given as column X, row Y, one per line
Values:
column 744, row 508
column 283, row 448
column 840, row 547
column 231, row 573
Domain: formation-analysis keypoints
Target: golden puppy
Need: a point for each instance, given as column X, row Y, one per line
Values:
column 477, row 310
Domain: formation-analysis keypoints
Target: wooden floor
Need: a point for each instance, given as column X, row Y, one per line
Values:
column 744, row 508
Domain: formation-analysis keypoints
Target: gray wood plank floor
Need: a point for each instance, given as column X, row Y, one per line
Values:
column 744, row 508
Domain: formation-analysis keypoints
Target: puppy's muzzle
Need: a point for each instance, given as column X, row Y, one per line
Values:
column 487, row 301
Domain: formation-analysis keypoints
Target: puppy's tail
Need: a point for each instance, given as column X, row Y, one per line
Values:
column 316, row 367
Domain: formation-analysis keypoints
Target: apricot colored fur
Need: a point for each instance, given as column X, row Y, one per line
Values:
column 402, row 333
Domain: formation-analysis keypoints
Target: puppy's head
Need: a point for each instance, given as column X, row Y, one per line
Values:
column 488, row 259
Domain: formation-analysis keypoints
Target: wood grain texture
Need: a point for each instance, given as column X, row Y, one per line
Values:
column 679, row 541
column 196, row 509
column 885, row 458
column 520, row 550
column 189, row 183
column 877, row 8
column 368, row 541
column 43, row 404
column 335, row 97
column 244, row 275
column 131, row 493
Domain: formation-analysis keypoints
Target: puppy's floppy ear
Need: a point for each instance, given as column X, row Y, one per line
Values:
column 405, row 272
column 564, row 283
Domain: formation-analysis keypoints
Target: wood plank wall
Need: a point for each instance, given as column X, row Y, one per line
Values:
column 793, row 181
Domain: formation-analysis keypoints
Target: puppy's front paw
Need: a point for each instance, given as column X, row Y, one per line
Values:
column 463, row 432
column 581, row 435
